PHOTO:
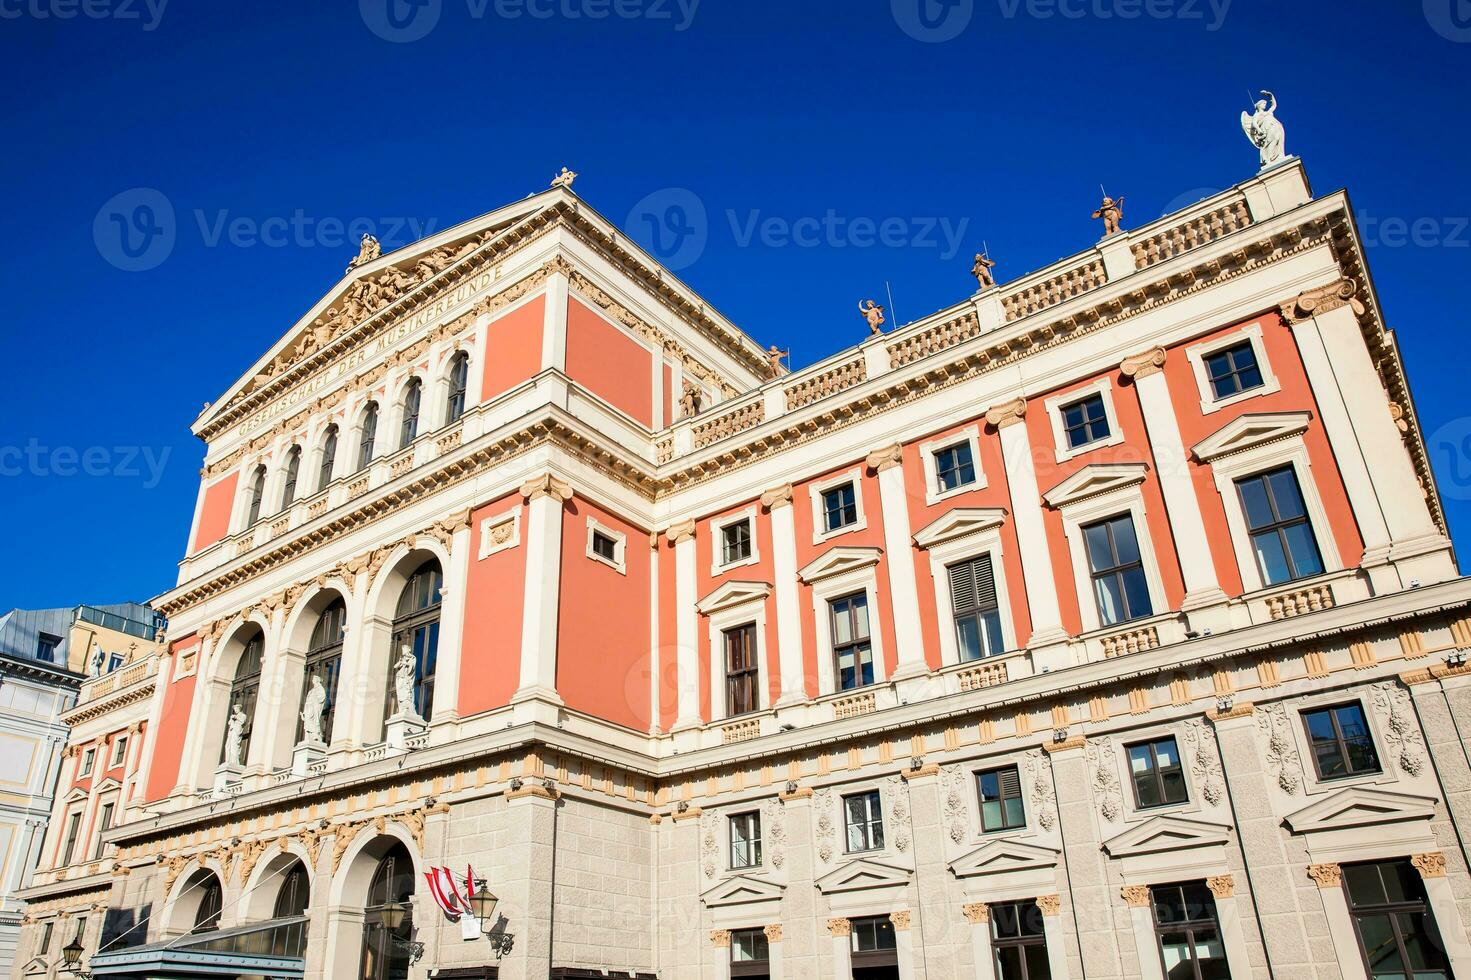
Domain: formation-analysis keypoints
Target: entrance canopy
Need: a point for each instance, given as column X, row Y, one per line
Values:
column 274, row 949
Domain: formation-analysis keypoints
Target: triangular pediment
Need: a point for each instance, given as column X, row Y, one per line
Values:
column 75, row 796
column 1360, row 806
column 839, row 560
column 109, row 783
column 733, row 594
column 861, row 874
column 1000, row 856
column 1249, row 431
column 959, row 523
column 1092, row 480
column 1166, row 834
column 36, row 967
column 742, row 890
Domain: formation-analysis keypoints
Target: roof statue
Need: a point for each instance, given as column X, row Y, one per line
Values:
column 774, row 355
column 982, row 270
column 1265, row 131
column 874, row 314
column 689, row 402
column 564, row 179
column 368, row 250
column 1112, row 213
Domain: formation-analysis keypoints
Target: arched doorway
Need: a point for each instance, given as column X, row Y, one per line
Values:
column 391, row 890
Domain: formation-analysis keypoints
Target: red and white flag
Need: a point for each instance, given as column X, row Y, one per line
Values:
column 446, row 894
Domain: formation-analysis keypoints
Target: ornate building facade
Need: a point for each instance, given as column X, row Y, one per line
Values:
column 1103, row 624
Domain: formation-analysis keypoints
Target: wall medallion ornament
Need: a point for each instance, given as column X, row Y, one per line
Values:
column 709, row 845
column 898, row 796
column 1207, row 765
column 956, row 818
column 1042, row 795
column 1108, row 796
column 1281, row 755
column 774, row 820
column 826, row 829
column 1400, row 729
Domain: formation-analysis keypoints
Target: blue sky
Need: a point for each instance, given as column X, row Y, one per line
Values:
column 263, row 136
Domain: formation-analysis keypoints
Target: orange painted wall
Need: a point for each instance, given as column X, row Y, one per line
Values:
column 513, row 343
column 173, row 729
column 996, row 493
column 603, row 622
column 214, row 515
column 495, row 590
column 609, row 363
column 872, row 536
column 759, row 571
column 1295, row 396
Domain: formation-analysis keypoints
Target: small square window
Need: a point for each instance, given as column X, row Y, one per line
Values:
column 604, row 547
column 735, row 542
column 1158, row 776
column 1233, row 370
column 745, row 840
column 1342, row 745
column 46, row 644
column 1000, row 792
column 954, row 467
column 839, row 507
column 1085, row 421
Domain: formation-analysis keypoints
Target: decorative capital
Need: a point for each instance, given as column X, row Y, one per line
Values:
column 886, row 458
column 546, row 485
column 976, row 912
column 1144, row 364
column 1431, row 864
column 773, row 932
column 1067, row 744
column 839, row 927
column 1007, row 413
column 720, row 937
column 1324, row 299
column 928, row 769
column 1241, row 709
column 777, row 497
column 1049, row 904
column 683, row 531
column 900, row 920
column 1326, row 875
column 1135, row 896
column 1221, row 886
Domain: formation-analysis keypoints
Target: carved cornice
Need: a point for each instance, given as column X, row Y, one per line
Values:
column 1007, row 413
column 886, row 458
column 1144, row 364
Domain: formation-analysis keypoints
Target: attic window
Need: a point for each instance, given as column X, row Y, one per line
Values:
column 46, row 644
column 606, row 545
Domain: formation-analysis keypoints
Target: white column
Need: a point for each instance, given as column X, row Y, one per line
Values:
column 1031, row 531
column 720, row 940
column 1141, row 919
column 773, row 946
column 903, row 944
column 1340, row 924
column 978, row 914
column 545, row 496
column 554, row 324
column 452, row 623
column 841, row 930
column 1443, row 905
column 1052, row 929
column 1197, row 565
column 1228, row 916
column 686, row 626
column 778, row 503
column 276, row 705
column 904, row 595
column 355, row 687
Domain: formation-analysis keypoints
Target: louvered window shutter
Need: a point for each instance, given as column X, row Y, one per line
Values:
column 973, row 585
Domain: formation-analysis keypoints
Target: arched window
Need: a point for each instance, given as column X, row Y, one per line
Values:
column 459, row 377
column 416, row 625
column 329, row 458
column 324, row 660
column 295, row 894
column 370, row 429
column 410, row 427
column 393, row 883
column 293, row 470
column 244, row 690
column 211, row 904
column 257, row 493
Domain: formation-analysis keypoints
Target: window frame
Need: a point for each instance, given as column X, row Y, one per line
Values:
column 966, row 547
column 1076, row 514
column 1020, row 797
column 411, row 405
column 929, row 453
column 755, row 845
column 255, row 495
column 816, row 492
column 405, row 628
column 1393, row 910
column 457, row 387
column 1197, row 354
column 874, row 817
column 71, row 833
column 327, row 465
column 1026, row 909
column 879, row 956
column 753, row 672
column 119, row 752
column 718, row 564
column 752, row 967
column 836, row 648
column 1278, row 526
column 46, row 646
column 290, row 477
column 1331, row 709
column 827, row 586
column 1102, row 388
column 619, row 561
column 89, row 761
column 371, row 412
column 1158, row 772
column 1116, row 571
column 1189, row 926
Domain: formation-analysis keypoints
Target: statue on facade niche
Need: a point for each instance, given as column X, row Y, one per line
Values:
column 312, row 711
column 1265, row 131
column 982, row 270
column 774, row 355
column 368, row 250
column 235, row 737
column 874, row 315
column 1112, row 213
column 564, row 179
column 689, row 402
column 98, row 660
column 403, row 682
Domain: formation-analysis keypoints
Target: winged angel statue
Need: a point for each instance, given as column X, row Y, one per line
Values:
column 1265, row 131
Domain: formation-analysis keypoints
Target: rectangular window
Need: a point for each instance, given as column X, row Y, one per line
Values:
column 1019, row 942
column 873, row 949
column 43, row 945
column 1085, row 421
column 1000, row 793
column 104, row 824
column 863, row 815
column 735, row 542
column 1119, row 583
column 69, row 843
column 745, row 840
column 852, row 650
column 750, row 954
column 741, row 674
column 1159, row 778
column 89, row 758
column 119, row 751
column 1342, row 745
column 1395, row 928
column 977, row 614
column 839, row 507
column 954, row 467
column 1233, row 370
column 1281, row 536
column 46, row 644
column 1189, row 936
column 604, row 547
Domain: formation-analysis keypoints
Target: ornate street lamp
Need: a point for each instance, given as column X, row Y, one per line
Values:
column 483, row 903
column 392, row 916
column 71, row 959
